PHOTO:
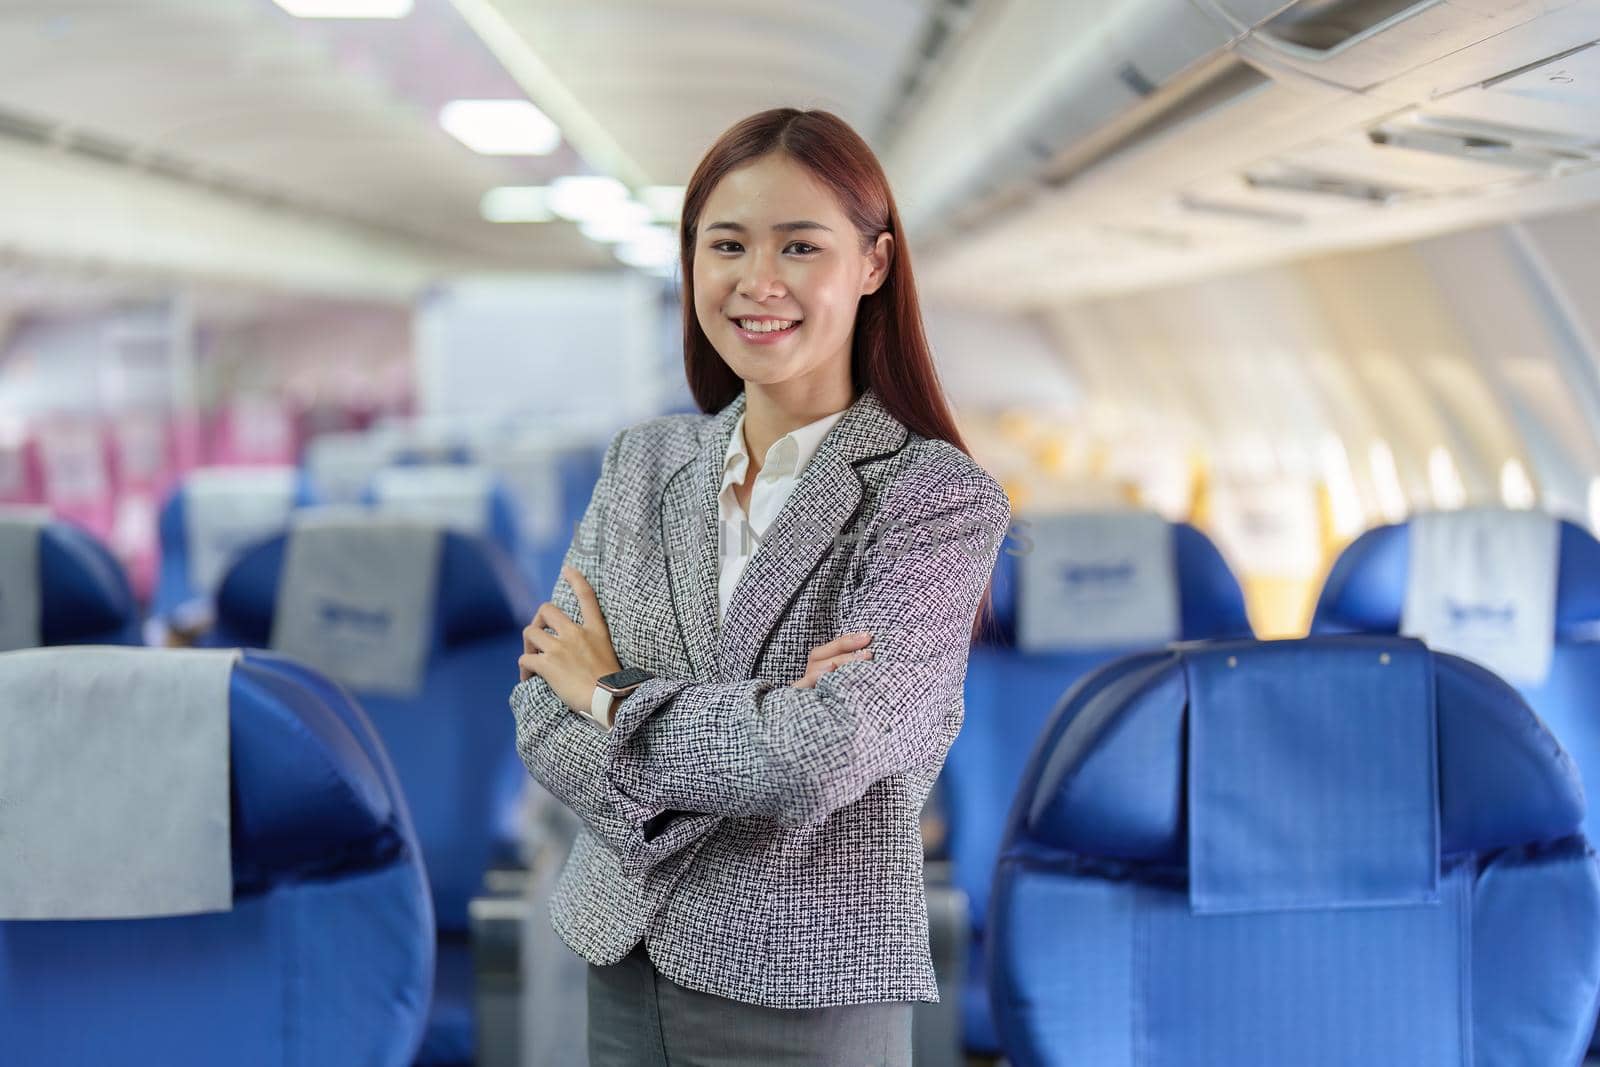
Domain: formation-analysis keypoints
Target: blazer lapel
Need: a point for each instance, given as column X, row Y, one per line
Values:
column 821, row 506
column 689, row 529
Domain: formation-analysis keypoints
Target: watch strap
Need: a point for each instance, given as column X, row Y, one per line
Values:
column 601, row 705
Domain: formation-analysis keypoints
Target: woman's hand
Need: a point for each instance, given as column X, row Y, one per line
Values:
column 834, row 654
column 572, row 658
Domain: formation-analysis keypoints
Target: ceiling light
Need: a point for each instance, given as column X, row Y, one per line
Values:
column 517, row 203
column 346, row 9
column 665, row 201
column 585, row 198
column 622, row 221
column 500, row 127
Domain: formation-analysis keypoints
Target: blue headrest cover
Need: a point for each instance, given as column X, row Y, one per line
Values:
column 1366, row 588
column 84, row 592
column 1107, row 780
column 311, row 793
column 480, row 592
column 1311, row 777
column 1210, row 602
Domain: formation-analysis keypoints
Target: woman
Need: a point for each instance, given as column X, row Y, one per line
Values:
column 748, row 887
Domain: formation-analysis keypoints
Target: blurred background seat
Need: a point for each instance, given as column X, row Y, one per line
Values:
column 1073, row 593
column 443, row 719
column 60, row 585
column 214, row 514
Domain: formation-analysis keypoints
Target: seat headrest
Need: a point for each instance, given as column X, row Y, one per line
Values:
column 1366, row 587
column 458, row 496
column 312, row 790
column 309, row 791
column 213, row 515
column 1210, row 603
column 85, row 597
column 1107, row 779
column 479, row 593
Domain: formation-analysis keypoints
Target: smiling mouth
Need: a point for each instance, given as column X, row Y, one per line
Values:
column 766, row 326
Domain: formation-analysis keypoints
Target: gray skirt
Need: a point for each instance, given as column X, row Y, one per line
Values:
column 637, row 1018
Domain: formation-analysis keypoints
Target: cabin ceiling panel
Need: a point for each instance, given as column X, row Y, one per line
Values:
column 666, row 78
column 335, row 119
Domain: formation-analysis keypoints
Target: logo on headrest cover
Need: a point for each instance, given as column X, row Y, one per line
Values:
column 1497, row 616
column 1099, row 580
column 333, row 613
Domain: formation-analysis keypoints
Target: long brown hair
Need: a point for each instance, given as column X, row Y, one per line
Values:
column 889, row 352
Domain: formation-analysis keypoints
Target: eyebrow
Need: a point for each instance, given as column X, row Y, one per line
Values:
column 782, row 227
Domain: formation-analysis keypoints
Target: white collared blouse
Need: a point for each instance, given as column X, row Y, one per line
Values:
column 739, row 534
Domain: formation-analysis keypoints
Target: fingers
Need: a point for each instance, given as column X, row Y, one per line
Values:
column 846, row 643
column 835, row 662
column 529, row 665
column 587, row 601
column 535, row 639
column 829, row 665
column 552, row 617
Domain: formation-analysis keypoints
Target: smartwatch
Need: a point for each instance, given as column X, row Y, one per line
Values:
column 612, row 689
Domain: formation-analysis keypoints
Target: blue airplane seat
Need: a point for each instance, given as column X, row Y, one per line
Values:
column 419, row 456
column 465, row 496
column 577, row 472
column 258, row 509
column 84, row 594
column 327, row 955
column 1365, row 593
column 448, row 740
column 1011, row 692
column 1332, row 851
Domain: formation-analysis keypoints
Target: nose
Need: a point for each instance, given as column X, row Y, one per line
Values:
column 760, row 279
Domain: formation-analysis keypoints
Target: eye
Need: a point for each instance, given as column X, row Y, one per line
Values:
column 717, row 246
column 805, row 248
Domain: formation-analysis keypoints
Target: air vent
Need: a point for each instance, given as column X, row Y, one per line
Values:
column 1518, row 148
column 1240, row 212
column 1172, row 240
column 1327, row 25
column 23, row 128
column 1337, row 186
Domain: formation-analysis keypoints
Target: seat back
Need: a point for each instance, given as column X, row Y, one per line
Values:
column 1365, row 592
column 1320, row 852
column 466, row 497
column 207, row 521
column 448, row 737
column 327, row 953
column 1012, row 689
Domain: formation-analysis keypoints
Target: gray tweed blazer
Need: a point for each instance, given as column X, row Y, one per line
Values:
column 763, row 840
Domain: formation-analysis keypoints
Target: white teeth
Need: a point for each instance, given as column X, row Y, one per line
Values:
column 764, row 326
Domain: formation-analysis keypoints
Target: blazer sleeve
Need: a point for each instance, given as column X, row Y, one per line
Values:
column 565, row 752
column 759, row 748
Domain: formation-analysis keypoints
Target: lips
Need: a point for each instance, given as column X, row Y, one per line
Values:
column 765, row 337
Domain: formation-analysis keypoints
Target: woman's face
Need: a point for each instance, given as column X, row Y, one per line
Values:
column 773, row 248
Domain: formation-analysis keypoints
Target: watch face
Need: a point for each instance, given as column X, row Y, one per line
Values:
column 624, row 678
